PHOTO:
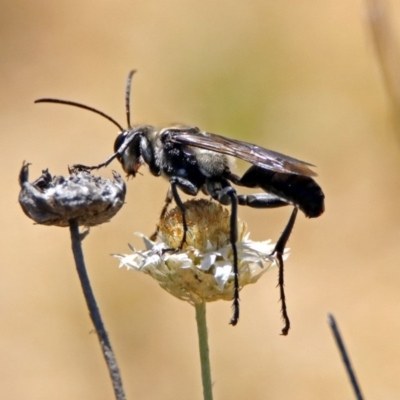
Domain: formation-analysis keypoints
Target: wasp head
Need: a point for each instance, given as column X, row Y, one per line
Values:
column 133, row 148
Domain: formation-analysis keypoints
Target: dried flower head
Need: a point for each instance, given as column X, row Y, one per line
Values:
column 203, row 270
column 55, row 200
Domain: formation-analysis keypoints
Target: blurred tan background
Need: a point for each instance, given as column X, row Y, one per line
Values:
column 301, row 78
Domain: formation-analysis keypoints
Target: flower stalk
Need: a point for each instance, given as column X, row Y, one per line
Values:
column 204, row 350
column 95, row 312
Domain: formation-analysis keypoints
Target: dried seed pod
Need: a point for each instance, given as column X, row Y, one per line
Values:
column 55, row 200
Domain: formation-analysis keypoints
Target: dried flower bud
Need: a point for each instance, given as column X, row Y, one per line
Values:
column 91, row 200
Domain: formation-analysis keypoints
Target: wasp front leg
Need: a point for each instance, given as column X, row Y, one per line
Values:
column 187, row 187
column 168, row 201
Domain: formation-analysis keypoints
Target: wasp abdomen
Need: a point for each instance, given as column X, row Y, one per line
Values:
column 299, row 190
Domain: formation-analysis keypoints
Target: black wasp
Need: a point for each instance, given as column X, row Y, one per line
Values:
column 193, row 160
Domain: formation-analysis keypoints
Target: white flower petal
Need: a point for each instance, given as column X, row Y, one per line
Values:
column 209, row 246
column 176, row 261
column 226, row 252
column 222, row 273
column 147, row 242
column 255, row 257
column 151, row 261
column 259, row 247
column 131, row 247
column 207, row 261
column 246, row 237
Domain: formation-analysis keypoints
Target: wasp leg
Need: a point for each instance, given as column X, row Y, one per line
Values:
column 228, row 196
column 168, row 201
column 264, row 200
column 278, row 251
column 261, row 200
column 121, row 149
column 188, row 188
column 81, row 167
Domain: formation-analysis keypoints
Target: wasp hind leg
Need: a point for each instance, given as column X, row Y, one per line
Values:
column 278, row 252
column 265, row 200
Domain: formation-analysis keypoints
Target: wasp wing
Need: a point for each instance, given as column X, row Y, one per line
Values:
column 246, row 151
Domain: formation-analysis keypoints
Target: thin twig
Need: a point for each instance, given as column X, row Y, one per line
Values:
column 204, row 350
column 345, row 357
column 95, row 313
column 386, row 48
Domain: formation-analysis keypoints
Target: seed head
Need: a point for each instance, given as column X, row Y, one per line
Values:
column 202, row 271
column 55, row 200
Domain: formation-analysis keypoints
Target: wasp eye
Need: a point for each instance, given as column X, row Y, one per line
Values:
column 119, row 140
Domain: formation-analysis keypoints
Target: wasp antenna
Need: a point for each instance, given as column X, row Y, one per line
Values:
column 79, row 105
column 128, row 96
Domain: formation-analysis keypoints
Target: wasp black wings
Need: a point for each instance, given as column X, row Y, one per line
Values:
column 249, row 152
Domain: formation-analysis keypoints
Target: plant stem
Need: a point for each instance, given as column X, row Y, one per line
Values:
column 95, row 313
column 204, row 350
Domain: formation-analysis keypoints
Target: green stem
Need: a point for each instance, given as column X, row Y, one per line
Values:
column 204, row 351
